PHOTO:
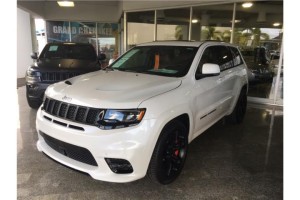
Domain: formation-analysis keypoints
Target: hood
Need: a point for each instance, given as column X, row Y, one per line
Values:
column 112, row 89
column 65, row 64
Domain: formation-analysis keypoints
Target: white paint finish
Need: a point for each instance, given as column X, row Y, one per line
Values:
column 24, row 44
column 204, row 101
column 112, row 89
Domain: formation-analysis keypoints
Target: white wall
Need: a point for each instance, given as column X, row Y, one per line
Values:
column 24, row 42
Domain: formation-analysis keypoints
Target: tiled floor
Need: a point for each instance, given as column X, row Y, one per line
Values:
column 234, row 162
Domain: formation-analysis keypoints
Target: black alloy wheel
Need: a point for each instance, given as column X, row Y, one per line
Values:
column 169, row 154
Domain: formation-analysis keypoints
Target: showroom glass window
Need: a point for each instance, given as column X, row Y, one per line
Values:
column 84, row 32
column 212, row 22
column 140, row 28
column 58, row 31
column 173, row 24
column 108, row 39
column 258, row 33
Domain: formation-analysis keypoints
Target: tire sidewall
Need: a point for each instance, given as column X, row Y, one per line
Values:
column 155, row 169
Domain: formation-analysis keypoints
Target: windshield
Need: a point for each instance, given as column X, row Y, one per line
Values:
column 69, row 51
column 173, row 61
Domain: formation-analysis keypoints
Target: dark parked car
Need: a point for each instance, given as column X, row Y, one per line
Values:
column 258, row 62
column 57, row 62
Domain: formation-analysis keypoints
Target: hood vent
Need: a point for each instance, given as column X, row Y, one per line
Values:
column 68, row 82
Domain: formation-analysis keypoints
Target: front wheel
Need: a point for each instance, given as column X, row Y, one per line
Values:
column 169, row 154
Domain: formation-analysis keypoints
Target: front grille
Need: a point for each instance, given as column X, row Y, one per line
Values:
column 80, row 114
column 57, row 76
column 72, row 151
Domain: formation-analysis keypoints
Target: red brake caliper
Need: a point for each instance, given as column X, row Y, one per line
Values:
column 176, row 152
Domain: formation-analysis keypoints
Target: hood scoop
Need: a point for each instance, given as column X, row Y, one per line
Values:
column 68, row 82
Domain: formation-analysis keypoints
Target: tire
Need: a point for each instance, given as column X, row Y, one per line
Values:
column 170, row 153
column 238, row 114
column 35, row 104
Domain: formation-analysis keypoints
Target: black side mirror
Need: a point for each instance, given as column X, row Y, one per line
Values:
column 34, row 55
column 101, row 56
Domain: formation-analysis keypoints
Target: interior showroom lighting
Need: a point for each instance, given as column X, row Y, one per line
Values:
column 276, row 24
column 247, row 5
column 236, row 21
column 66, row 3
column 195, row 21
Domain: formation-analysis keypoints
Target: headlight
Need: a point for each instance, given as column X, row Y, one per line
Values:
column 33, row 73
column 114, row 119
column 33, row 76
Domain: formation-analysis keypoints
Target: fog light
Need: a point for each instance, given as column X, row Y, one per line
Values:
column 119, row 166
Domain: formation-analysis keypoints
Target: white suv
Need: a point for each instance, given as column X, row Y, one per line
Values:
column 137, row 117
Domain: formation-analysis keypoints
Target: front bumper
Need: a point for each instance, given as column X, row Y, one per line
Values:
column 133, row 144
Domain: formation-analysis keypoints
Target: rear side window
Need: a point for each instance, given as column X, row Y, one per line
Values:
column 237, row 59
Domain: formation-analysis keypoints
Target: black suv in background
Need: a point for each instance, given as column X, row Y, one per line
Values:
column 57, row 62
column 258, row 62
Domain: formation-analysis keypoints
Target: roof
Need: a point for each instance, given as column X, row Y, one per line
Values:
column 68, row 43
column 183, row 43
column 173, row 43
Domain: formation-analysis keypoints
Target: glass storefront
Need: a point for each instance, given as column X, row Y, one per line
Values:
column 173, row 24
column 103, row 36
column 256, row 29
column 212, row 22
column 258, row 33
column 140, row 28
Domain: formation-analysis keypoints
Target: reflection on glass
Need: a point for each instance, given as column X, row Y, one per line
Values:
column 173, row 24
column 140, row 28
column 260, row 42
column 108, row 40
column 58, row 31
column 212, row 22
column 84, row 32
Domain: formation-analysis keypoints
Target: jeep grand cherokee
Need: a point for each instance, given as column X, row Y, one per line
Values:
column 138, row 117
column 57, row 62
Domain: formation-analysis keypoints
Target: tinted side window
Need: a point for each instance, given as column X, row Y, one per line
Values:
column 237, row 59
column 219, row 55
column 224, row 57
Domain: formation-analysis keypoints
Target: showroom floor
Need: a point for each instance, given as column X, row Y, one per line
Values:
column 234, row 162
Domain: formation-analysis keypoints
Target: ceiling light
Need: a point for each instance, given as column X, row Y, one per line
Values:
column 247, row 5
column 195, row 21
column 66, row 3
column 276, row 24
column 236, row 21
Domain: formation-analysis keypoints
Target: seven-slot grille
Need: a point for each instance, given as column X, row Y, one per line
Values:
column 57, row 76
column 80, row 114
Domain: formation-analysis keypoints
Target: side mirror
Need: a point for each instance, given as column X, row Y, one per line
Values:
column 209, row 69
column 101, row 57
column 111, row 61
column 34, row 55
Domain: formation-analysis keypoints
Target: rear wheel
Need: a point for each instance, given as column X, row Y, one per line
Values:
column 238, row 114
column 169, row 154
